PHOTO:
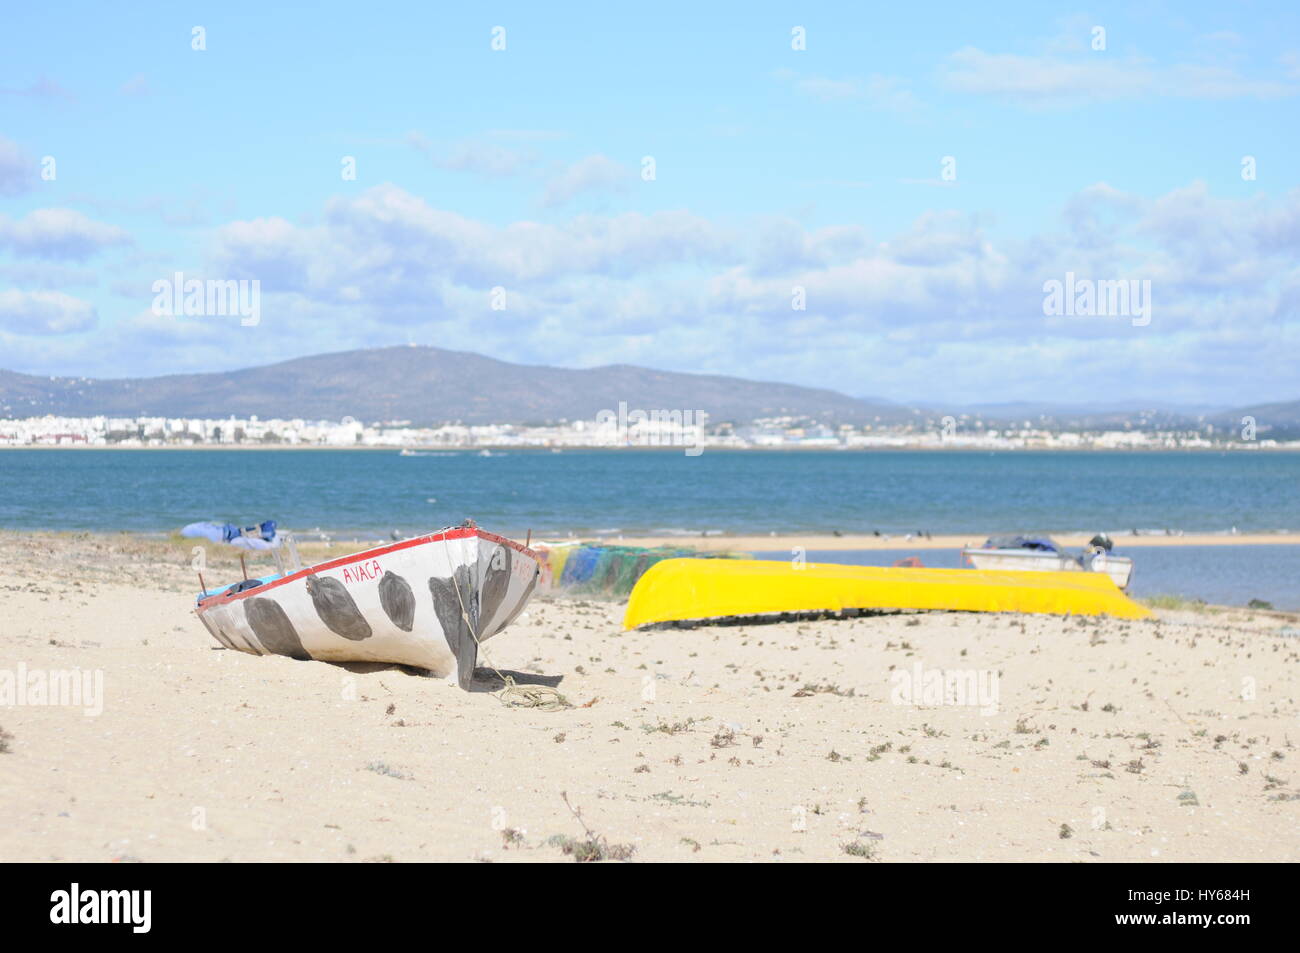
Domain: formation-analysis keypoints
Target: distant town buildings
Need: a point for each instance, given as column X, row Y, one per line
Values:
column 657, row 431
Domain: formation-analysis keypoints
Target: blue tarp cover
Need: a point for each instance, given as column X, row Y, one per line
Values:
column 1037, row 543
column 261, row 536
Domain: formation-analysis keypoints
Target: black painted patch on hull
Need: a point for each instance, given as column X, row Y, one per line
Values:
column 397, row 600
column 449, row 595
column 336, row 609
column 273, row 629
column 496, row 582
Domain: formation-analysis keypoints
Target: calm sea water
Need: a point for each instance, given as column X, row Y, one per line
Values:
column 632, row 491
column 371, row 493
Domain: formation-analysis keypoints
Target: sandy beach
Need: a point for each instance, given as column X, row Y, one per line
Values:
column 1165, row 740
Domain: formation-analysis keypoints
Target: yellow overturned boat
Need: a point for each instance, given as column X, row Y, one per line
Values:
column 680, row 590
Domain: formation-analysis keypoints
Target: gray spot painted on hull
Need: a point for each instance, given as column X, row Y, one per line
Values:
column 273, row 628
column 523, row 599
column 336, row 609
column 496, row 581
column 397, row 600
column 447, row 603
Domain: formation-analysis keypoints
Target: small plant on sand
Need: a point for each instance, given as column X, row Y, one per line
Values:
column 725, row 738
column 812, row 689
column 675, row 728
column 5, row 739
column 1066, row 832
column 593, row 847
column 1174, row 602
column 668, row 797
column 859, row 849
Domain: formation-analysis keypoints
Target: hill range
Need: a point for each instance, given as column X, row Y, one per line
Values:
column 430, row 386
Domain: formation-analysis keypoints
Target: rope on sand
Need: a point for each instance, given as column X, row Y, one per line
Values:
column 541, row 697
column 512, row 695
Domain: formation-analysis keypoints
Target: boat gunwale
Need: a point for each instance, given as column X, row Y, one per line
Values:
column 461, row 532
column 1028, row 552
column 1037, row 553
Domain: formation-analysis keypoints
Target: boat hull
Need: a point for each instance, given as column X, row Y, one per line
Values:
column 426, row 602
column 679, row 590
column 1118, row 568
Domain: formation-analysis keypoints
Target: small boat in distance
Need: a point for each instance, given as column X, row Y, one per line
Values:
column 426, row 602
column 1044, row 554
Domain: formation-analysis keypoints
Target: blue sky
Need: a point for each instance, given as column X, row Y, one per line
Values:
column 774, row 169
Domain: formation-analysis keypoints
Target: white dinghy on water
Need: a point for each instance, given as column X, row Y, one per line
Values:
column 1044, row 554
column 427, row 602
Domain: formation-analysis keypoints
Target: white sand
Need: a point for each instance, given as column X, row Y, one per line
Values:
column 206, row 754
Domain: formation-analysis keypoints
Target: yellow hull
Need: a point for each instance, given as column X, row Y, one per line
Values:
column 687, row 589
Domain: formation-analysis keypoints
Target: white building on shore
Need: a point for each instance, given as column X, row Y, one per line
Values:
column 783, row 434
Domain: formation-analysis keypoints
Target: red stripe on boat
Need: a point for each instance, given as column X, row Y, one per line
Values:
column 460, row 533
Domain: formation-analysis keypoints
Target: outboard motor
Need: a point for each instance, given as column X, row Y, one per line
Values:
column 1101, row 541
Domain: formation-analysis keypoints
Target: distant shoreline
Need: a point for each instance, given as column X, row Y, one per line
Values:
column 515, row 448
column 812, row 542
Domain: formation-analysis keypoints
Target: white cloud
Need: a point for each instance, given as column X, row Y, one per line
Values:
column 1040, row 79
column 48, row 275
column 884, row 315
column 59, row 233
column 478, row 156
column 44, row 312
column 1052, row 80
column 17, row 170
column 43, row 88
column 595, row 173
column 877, row 90
column 137, row 85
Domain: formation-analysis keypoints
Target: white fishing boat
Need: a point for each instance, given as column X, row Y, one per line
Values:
column 1044, row 554
column 426, row 602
